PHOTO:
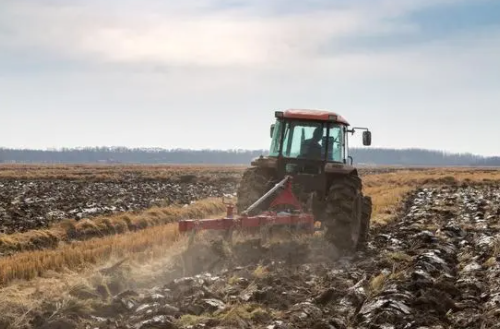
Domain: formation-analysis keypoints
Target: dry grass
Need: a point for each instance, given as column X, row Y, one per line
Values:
column 237, row 316
column 107, row 172
column 260, row 272
column 87, row 286
column 377, row 283
column 148, row 242
column 399, row 257
column 70, row 230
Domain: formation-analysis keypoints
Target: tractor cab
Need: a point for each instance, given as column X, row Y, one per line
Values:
column 307, row 140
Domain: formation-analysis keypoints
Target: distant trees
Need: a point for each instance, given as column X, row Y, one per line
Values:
column 419, row 157
column 376, row 156
column 126, row 155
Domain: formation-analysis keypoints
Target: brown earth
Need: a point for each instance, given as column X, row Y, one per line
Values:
column 117, row 172
column 27, row 205
column 35, row 197
column 436, row 266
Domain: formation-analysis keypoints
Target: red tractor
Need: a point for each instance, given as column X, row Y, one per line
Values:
column 306, row 178
column 311, row 147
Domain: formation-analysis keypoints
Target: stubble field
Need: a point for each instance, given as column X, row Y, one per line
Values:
column 98, row 247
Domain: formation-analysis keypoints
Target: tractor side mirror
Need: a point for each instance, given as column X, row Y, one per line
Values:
column 272, row 130
column 367, row 138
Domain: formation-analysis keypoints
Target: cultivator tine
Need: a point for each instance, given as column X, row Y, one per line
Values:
column 265, row 233
column 192, row 235
column 228, row 235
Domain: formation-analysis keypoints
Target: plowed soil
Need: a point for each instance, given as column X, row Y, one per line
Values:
column 435, row 266
column 34, row 204
column 27, row 204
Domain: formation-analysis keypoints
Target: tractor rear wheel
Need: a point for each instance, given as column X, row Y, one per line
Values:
column 343, row 213
column 254, row 183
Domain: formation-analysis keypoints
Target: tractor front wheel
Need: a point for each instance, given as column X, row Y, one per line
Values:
column 254, row 183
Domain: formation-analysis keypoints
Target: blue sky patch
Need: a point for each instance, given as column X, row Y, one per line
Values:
column 439, row 22
column 445, row 20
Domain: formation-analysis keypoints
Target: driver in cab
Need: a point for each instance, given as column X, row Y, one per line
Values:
column 311, row 148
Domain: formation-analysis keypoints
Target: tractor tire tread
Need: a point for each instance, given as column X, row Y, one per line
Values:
column 340, row 209
column 255, row 182
column 365, row 221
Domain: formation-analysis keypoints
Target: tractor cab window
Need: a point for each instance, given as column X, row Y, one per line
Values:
column 336, row 144
column 308, row 140
column 303, row 140
column 276, row 139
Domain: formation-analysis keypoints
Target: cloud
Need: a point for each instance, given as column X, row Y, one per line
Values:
column 211, row 44
column 259, row 34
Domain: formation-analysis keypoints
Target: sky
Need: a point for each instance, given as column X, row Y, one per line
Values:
column 209, row 74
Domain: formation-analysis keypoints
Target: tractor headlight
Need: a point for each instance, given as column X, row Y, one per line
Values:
column 278, row 114
column 332, row 117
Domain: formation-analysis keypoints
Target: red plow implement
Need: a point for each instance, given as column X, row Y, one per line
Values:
column 295, row 218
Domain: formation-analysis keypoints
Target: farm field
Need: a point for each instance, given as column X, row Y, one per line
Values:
column 34, row 197
column 98, row 247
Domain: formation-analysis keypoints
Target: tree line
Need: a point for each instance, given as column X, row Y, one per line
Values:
column 369, row 156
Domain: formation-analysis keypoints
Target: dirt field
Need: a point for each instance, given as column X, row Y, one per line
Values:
column 34, row 197
column 434, row 268
column 27, row 205
column 432, row 262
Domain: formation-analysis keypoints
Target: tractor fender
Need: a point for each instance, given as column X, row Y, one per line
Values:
column 265, row 162
column 340, row 168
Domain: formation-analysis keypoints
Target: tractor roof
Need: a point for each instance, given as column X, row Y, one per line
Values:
column 313, row 115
